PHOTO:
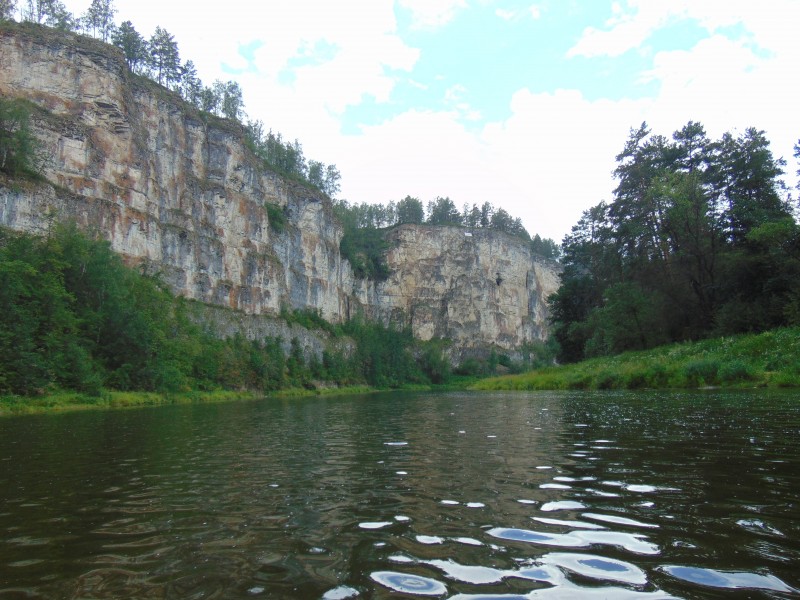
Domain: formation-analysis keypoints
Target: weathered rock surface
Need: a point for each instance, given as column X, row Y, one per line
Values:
column 180, row 191
column 476, row 288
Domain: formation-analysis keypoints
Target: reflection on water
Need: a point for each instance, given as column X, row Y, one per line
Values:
column 450, row 496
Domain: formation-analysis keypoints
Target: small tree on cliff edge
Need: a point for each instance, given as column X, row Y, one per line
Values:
column 164, row 58
column 7, row 10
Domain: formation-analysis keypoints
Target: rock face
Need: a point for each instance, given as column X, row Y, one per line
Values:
column 179, row 191
column 476, row 288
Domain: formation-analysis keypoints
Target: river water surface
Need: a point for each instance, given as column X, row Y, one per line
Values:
column 458, row 495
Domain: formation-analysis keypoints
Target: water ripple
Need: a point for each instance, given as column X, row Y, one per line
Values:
column 728, row 579
column 409, row 584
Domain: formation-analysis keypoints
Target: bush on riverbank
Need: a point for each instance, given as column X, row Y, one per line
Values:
column 767, row 359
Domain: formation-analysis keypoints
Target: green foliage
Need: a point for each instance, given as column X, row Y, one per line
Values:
column 74, row 317
column 285, row 157
column 701, row 372
column 383, row 356
column 409, row 210
column 470, row 367
column 767, row 359
column 132, row 44
column 277, row 218
column 363, row 244
column 441, row 211
column 309, row 318
column 698, row 241
column 434, row 363
column 365, row 250
column 19, row 149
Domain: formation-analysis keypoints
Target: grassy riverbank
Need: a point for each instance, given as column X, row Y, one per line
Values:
column 767, row 359
column 73, row 401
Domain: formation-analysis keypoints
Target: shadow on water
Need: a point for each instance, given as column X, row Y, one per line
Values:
column 562, row 495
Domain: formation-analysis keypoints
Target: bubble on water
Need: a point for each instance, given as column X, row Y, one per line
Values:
column 450, row 502
column 475, row 505
column 555, row 486
column 536, row 537
column 402, row 518
column 613, row 483
column 462, row 431
column 273, row 485
column 395, row 443
column 316, row 550
column 543, row 467
column 617, row 520
column 646, row 504
column 401, row 472
column 491, row 436
column 602, row 441
column 759, row 526
column 256, row 590
column 430, row 539
column 564, row 478
column 597, row 567
column 561, row 522
column 409, row 584
column 475, row 575
column 374, row 524
column 644, row 489
column 632, row 542
column 402, row 558
column 544, row 573
column 725, row 579
column 602, row 494
column 562, row 505
column 578, row 539
column 581, row 425
column 340, row 593
column 524, row 501
column 468, row 541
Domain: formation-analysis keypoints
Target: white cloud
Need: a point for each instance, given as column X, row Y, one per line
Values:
column 770, row 22
column 550, row 159
column 627, row 30
column 421, row 153
column 430, row 14
column 506, row 15
column 544, row 164
column 533, row 12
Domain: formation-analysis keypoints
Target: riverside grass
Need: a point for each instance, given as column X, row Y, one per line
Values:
column 74, row 401
column 770, row 359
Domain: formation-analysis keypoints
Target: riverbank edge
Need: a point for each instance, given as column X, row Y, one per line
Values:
column 66, row 401
column 770, row 359
column 74, row 401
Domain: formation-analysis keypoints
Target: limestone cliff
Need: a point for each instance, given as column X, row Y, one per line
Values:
column 179, row 190
column 476, row 288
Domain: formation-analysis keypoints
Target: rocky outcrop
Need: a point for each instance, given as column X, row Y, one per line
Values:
column 178, row 191
column 478, row 289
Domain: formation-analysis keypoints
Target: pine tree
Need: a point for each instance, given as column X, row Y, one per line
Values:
column 164, row 59
column 132, row 44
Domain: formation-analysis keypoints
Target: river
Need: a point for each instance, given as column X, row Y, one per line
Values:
column 455, row 495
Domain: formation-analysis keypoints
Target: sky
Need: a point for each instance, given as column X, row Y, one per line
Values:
column 522, row 104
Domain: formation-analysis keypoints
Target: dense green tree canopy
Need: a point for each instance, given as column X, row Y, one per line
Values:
column 698, row 240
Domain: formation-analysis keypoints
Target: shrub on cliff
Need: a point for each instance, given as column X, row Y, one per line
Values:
column 18, row 146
